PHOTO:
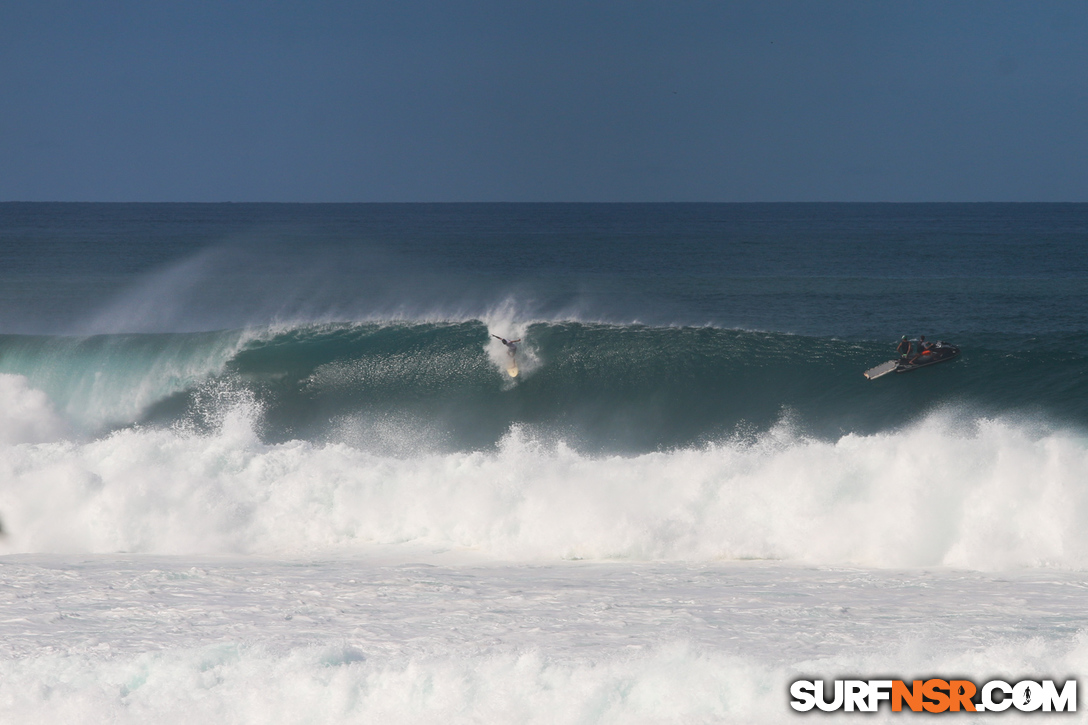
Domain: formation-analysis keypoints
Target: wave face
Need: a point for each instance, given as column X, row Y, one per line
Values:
column 601, row 388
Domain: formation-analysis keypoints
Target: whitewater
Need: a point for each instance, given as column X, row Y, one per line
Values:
column 272, row 468
column 995, row 495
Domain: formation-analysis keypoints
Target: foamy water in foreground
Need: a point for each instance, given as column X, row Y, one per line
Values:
column 411, row 636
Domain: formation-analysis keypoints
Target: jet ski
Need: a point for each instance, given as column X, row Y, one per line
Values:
column 936, row 353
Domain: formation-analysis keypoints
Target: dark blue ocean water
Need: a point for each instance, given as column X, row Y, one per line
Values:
column 644, row 326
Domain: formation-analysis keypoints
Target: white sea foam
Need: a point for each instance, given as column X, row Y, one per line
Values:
column 27, row 414
column 974, row 493
column 250, row 640
column 323, row 684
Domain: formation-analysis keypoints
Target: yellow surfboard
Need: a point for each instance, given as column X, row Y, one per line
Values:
column 512, row 368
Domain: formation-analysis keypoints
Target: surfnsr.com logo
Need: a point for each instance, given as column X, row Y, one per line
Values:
column 934, row 695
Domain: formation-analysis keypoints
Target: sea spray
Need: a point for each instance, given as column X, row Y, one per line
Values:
column 28, row 415
column 105, row 380
column 949, row 490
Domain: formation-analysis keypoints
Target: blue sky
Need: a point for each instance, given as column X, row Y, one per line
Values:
column 547, row 101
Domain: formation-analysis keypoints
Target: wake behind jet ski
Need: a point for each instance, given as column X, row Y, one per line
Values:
column 914, row 356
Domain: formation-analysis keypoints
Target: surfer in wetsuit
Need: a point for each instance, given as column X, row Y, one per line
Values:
column 511, row 348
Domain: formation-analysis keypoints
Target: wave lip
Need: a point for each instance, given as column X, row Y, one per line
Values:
column 105, row 380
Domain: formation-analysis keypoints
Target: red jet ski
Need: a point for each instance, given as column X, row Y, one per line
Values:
column 936, row 353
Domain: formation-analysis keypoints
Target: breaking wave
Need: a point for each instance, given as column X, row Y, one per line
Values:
column 947, row 490
column 615, row 442
column 602, row 388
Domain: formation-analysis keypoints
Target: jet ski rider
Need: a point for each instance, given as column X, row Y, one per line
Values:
column 923, row 348
column 904, row 349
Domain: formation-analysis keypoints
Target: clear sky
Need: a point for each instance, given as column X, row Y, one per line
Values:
column 543, row 101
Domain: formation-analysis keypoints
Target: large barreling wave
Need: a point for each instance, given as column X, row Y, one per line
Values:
column 600, row 387
column 614, row 441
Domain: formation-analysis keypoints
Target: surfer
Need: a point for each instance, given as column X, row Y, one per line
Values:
column 511, row 348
